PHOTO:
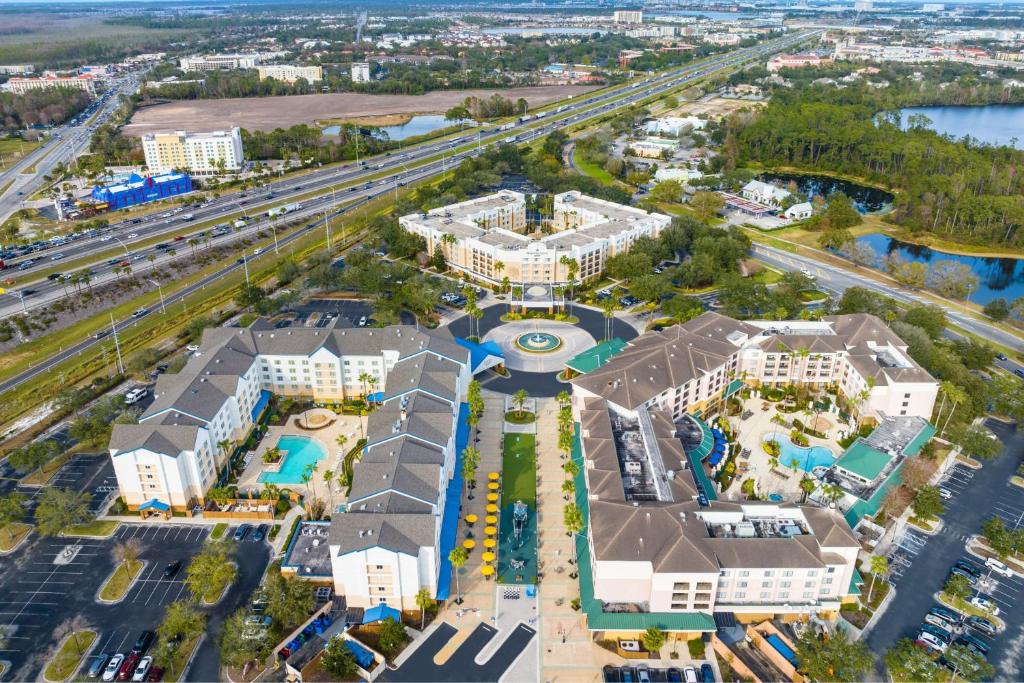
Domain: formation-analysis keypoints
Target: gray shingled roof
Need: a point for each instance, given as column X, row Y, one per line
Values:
column 401, row 533
column 166, row 439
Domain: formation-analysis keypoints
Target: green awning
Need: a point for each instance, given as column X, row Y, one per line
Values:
column 856, row 581
column 595, row 357
column 863, row 460
column 733, row 387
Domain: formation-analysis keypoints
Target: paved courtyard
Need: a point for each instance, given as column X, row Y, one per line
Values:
column 573, row 341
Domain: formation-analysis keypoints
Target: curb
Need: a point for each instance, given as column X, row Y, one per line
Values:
column 882, row 609
column 85, row 655
column 104, row 601
column 14, row 549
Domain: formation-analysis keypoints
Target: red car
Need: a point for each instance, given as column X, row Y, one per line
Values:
column 127, row 667
column 178, row 238
column 155, row 674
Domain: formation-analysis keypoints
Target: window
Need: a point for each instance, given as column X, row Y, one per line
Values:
column 744, row 573
column 785, row 584
column 788, row 572
column 683, row 586
column 741, row 584
column 765, row 595
column 740, row 595
column 769, row 573
column 809, row 595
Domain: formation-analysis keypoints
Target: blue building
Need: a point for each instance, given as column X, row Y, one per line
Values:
column 139, row 190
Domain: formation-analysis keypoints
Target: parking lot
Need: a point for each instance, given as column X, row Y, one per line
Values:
column 920, row 564
column 52, row 579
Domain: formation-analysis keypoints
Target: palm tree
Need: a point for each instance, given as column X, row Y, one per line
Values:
column 608, row 311
column 573, row 519
column 458, row 557
column 328, row 477
column 563, row 398
column 570, row 468
column 519, row 400
column 341, row 441
column 568, row 488
column 424, row 602
column 498, row 267
column 364, row 378
column 224, row 445
column 879, row 566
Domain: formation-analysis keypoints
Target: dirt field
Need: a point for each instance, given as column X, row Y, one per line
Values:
column 267, row 113
column 714, row 107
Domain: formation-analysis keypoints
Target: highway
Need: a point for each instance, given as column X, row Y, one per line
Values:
column 65, row 143
column 840, row 279
column 345, row 182
column 328, row 205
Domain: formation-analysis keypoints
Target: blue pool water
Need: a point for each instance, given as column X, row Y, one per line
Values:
column 302, row 452
column 809, row 458
column 783, row 649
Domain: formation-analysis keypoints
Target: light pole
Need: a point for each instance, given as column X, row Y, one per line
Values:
column 273, row 229
column 327, row 226
column 245, row 267
column 21, row 297
column 160, row 290
column 123, row 245
column 117, row 344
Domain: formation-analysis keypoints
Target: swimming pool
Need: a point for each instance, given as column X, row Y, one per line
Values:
column 301, row 453
column 808, row 458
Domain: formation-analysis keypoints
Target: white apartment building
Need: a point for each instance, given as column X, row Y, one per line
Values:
column 674, row 125
column 689, row 367
column 16, row 69
column 200, row 153
column 219, row 62
column 656, row 546
column 360, row 72
column 20, row 86
column 628, row 16
column 289, row 73
column 488, row 238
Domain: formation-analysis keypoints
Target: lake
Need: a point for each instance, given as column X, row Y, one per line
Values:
column 998, row 277
column 866, row 199
column 417, row 125
column 995, row 124
column 542, row 30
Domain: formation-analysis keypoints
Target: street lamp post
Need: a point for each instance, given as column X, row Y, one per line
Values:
column 160, row 290
column 117, row 344
column 123, row 245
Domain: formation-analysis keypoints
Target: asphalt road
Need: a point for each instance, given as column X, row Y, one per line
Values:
column 922, row 563
column 397, row 164
column 372, row 189
column 461, row 665
column 839, row 279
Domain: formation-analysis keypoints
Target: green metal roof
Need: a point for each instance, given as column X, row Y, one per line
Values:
column 918, row 442
column 856, row 581
column 863, row 460
column 597, row 619
column 733, row 387
column 595, row 357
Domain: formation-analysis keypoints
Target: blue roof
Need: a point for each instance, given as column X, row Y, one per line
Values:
column 480, row 352
column 381, row 612
column 155, row 504
column 715, row 458
column 364, row 658
column 261, row 404
column 452, row 503
column 375, row 397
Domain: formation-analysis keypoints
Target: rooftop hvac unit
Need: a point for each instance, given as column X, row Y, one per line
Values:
column 745, row 530
column 633, row 467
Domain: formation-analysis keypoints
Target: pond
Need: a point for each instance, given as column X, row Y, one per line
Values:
column 541, row 30
column 421, row 124
column 995, row 124
column 866, row 199
column 998, row 277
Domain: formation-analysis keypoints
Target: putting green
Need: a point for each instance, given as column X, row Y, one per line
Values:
column 519, row 483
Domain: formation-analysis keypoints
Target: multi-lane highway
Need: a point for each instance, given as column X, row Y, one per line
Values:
column 344, row 182
column 362, row 185
column 64, row 145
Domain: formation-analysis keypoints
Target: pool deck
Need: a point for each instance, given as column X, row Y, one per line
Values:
column 326, row 437
column 752, row 432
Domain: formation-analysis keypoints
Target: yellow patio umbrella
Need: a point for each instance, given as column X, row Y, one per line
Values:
column 494, row 476
column 492, row 497
column 490, row 543
column 488, row 556
column 492, row 509
column 491, row 520
column 469, row 544
column 486, row 570
column 490, row 530
column 471, row 518
column 493, row 486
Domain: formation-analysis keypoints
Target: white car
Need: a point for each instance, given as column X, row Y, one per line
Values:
column 132, row 235
column 986, row 603
column 931, row 641
column 142, row 669
column 192, row 347
column 945, row 493
column 257, row 252
column 998, row 567
column 106, row 238
column 112, row 666
column 936, row 620
column 135, row 395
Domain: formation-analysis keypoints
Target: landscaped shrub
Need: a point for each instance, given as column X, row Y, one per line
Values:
column 696, row 648
column 798, row 438
column 772, row 447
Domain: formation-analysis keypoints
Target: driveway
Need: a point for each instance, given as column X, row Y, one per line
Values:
column 462, row 665
column 923, row 562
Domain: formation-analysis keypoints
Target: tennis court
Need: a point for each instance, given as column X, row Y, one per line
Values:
column 517, row 553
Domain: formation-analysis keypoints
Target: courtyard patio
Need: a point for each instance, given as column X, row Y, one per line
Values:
column 778, row 477
column 323, row 427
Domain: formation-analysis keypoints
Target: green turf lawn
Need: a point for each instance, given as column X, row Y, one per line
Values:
column 519, row 465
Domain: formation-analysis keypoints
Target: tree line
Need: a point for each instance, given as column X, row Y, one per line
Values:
column 48, row 107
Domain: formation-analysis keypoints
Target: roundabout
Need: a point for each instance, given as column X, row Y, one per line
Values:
column 539, row 345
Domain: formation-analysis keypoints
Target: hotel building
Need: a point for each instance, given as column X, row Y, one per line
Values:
column 200, row 153
column 489, row 238
column 288, row 73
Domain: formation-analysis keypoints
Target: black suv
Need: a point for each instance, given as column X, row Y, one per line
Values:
column 143, row 643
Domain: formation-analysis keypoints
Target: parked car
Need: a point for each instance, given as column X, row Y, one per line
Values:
column 156, row 673
column 969, row 567
column 139, row 312
column 143, row 642
column 674, row 675
column 707, row 674
column 142, row 669
column 945, row 493
column 973, row 642
column 931, row 642
column 937, row 631
column 643, row 675
column 998, row 567
column 946, row 614
column 982, row 601
column 97, row 664
column 172, row 569
column 690, row 674
column 127, row 667
column 960, row 571
column 241, row 531
column 113, row 666
column 260, row 533
column 627, row 675
column 192, row 347
column 982, row 625
column 936, row 620
column 135, row 395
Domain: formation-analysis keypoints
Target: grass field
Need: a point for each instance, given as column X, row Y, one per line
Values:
column 519, row 469
column 12, row 535
column 98, row 528
column 69, row 656
column 120, row 580
column 591, row 169
column 13, row 149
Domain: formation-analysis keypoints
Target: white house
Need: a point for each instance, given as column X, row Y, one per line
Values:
column 800, row 211
column 764, row 193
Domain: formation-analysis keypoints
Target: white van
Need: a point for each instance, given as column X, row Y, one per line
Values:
column 135, row 395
